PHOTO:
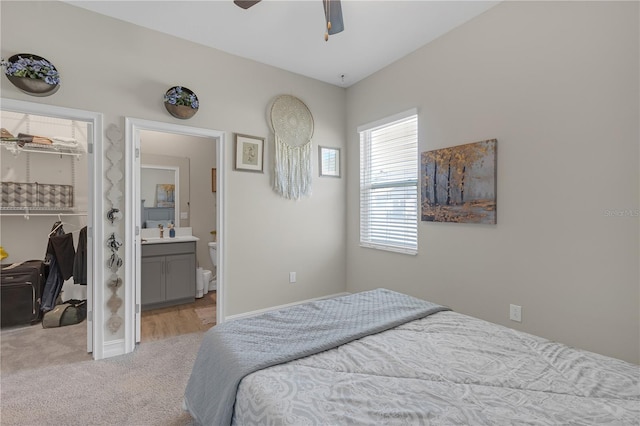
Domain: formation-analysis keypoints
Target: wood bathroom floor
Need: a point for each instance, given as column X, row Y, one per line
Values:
column 161, row 323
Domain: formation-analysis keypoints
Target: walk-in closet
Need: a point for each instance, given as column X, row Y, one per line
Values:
column 43, row 217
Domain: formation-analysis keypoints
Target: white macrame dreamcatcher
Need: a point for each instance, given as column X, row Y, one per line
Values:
column 292, row 125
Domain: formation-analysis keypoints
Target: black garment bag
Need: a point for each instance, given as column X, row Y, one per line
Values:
column 60, row 256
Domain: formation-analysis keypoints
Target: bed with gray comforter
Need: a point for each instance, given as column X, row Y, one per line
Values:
column 436, row 367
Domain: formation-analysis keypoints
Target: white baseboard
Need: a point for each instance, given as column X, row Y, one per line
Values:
column 113, row 348
column 273, row 308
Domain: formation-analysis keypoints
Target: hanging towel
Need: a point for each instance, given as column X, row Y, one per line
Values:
column 80, row 261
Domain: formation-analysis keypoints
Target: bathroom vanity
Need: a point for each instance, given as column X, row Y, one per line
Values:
column 168, row 271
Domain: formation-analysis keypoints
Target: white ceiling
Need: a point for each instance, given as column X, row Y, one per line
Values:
column 290, row 34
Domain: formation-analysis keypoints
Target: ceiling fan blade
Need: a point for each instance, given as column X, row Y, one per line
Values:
column 333, row 14
column 245, row 4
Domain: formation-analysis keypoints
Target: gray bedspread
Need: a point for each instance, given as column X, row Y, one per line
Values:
column 442, row 370
column 234, row 349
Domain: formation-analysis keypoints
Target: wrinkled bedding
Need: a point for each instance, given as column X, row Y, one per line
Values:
column 445, row 369
column 234, row 349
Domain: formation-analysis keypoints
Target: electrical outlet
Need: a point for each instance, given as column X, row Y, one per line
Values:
column 515, row 313
column 292, row 277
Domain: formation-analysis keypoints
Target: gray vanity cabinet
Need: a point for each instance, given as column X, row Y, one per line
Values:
column 168, row 274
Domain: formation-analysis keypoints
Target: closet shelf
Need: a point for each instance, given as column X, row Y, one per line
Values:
column 35, row 209
column 14, row 148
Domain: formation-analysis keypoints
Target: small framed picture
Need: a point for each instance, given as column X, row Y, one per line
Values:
column 329, row 159
column 249, row 153
column 214, row 180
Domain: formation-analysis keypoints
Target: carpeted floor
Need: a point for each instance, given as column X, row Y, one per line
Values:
column 33, row 346
column 142, row 388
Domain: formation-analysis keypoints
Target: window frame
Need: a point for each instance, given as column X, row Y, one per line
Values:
column 366, row 239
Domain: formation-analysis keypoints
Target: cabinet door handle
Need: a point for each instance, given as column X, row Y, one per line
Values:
column 167, row 267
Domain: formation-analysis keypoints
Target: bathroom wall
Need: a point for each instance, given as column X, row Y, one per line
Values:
column 198, row 157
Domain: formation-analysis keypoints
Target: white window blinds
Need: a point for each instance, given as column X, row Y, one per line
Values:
column 389, row 184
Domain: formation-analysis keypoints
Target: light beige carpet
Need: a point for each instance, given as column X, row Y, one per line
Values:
column 145, row 387
column 33, row 346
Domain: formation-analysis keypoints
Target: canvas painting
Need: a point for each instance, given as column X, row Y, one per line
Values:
column 458, row 183
column 165, row 195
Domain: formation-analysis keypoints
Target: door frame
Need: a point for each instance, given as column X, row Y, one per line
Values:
column 133, row 126
column 95, row 221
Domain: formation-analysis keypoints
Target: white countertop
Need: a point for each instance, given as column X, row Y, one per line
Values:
column 166, row 240
column 152, row 236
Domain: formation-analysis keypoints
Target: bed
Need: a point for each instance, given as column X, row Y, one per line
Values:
column 399, row 360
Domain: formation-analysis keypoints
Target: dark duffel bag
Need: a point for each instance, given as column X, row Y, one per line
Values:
column 21, row 286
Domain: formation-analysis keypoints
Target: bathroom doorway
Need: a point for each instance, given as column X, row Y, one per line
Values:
column 159, row 145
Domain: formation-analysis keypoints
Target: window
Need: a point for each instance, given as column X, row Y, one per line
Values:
column 389, row 183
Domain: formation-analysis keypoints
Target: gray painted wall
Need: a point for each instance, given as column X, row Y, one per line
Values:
column 557, row 84
column 121, row 70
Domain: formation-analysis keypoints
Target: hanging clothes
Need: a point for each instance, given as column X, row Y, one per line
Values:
column 65, row 253
column 59, row 257
column 80, row 261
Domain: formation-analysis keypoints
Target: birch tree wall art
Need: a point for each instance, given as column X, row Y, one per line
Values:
column 458, row 183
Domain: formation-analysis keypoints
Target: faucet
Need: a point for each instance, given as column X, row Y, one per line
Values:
column 161, row 230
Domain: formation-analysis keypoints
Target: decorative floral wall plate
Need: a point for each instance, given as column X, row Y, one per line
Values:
column 32, row 74
column 181, row 102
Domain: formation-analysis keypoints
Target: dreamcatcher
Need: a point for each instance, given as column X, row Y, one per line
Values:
column 292, row 125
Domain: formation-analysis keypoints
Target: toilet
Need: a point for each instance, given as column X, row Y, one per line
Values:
column 213, row 253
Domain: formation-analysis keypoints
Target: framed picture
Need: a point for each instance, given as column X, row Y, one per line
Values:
column 165, row 195
column 249, row 153
column 214, row 180
column 458, row 183
column 329, row 161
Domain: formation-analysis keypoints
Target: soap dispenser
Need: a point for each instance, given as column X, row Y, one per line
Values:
column 172, row 231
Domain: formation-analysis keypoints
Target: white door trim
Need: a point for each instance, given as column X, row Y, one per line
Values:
column 95, row 221
column 133, row 126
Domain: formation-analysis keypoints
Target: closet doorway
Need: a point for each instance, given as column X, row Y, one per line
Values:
column 192, row 184
column 60, row 175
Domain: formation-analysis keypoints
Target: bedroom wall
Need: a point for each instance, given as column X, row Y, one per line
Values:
column 122, row 70
column 557, row 84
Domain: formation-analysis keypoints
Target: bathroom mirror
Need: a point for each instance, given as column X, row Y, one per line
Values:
column 160, row 195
